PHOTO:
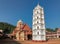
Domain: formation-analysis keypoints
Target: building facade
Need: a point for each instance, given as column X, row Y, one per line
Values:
column 22, row 31
column 38, row 26
column 53, row 35
column 38, row 32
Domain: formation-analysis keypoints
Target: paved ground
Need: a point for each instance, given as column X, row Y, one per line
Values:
column 10, row 41
column 54, row 41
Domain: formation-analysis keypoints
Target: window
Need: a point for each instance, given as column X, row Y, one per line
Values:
column 42, row 25
column 37, row 12
column 42, row 31
column 41, row 14
column 41, row 10
column 42, row 37
column 41, row 19
column 37, row 22
column 37, row 17
column 38, row 33
column 37, row 27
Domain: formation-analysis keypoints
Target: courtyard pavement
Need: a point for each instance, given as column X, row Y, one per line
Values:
column 10, row 41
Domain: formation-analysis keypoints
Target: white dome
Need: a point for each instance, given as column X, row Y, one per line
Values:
column 20, row 21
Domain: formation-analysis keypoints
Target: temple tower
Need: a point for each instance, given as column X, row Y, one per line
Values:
column 38, row 26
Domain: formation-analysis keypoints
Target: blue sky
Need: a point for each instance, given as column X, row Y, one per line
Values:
column 13, row 10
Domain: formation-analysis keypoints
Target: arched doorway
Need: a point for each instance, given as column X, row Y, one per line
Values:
column 59, row 36
column 29, row 36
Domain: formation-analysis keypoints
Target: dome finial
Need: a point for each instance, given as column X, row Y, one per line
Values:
column 38, row 4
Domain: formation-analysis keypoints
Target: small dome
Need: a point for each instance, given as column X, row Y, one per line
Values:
column 20, row 21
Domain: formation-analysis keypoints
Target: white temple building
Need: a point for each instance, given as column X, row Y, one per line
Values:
column 38, row 26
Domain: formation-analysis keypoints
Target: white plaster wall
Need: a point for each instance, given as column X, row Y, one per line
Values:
column 35, row 34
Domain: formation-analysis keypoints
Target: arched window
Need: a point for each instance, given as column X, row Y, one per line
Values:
column 38, row 33
column 37, row 22
column 37, row 17
column 37, row 27
column 42, row 37
column 37, row 12
column 42, row 25
column 42, row 31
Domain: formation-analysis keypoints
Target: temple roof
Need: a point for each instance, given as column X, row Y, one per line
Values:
column 26, row 27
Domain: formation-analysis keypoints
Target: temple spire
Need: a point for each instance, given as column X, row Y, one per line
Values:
column 38, row 3
column 38, row 31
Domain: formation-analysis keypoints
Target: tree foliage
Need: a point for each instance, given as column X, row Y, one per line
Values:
column 50, row 30
column 56, row 29
column 4, row 26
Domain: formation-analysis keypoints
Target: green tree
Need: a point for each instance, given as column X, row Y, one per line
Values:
column 56, row 29
column 3, row 26
column 50, row 30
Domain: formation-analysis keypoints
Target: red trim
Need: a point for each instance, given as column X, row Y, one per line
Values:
column 39, row 40
column 24, row 26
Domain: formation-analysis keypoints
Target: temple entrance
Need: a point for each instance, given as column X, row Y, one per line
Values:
column 59, row 36
column 29, row 37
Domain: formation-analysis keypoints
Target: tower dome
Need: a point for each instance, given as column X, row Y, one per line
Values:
column 20, row 21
